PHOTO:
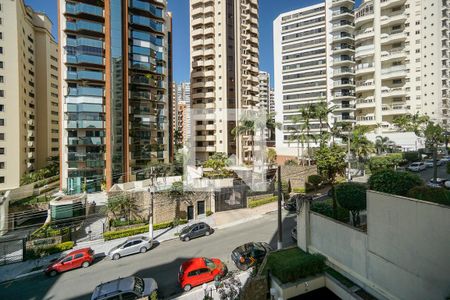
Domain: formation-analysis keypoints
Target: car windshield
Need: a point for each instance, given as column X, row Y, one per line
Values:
column 186, row 229
column 414, row 164
column 138, row 285
column 209, row 263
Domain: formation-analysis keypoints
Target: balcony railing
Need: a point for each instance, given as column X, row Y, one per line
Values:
column 157, row 12
column 80, row 8
column 88, row 75
column 84, row 25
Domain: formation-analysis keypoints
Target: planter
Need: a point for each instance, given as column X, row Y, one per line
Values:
column 293, row 289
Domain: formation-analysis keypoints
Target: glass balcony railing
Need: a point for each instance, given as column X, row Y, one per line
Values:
column 80, row 8
column 85, row 107
column 147, row 37
column 92, row 75
column 86, row 91
column 157, row 12
column 144, row 21
column 85, row 124
column 85, row 156
column 84, row 25
column 96, row 141
column 84, row 58
column 85, row 42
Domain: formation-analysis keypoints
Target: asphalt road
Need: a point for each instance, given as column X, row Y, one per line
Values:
column 161, row 263
column 427, row 174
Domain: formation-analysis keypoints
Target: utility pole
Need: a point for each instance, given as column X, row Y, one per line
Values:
column 349, row 165
column 280, row 225
column 150, row 207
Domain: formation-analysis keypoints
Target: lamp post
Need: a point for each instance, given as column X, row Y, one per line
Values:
column 151, row 190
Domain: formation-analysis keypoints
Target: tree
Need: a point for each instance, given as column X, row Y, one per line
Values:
column 308, row 113
column 423, row 127
column 393, row 182
column 391, row 161
column 331, row 163
column 121, row 206
column 245, row 126
column 296, row 134
column 271, row 155
column 315, row 181
column 352, row 196
column 218, row 161
column 382, row 144
column 178, row 138
column 360, row 146
column 426, row 193
column 321, row 112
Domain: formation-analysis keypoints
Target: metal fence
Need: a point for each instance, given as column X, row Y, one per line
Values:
column 11, row 251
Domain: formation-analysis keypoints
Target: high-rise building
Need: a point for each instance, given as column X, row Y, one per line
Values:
column 264, row 90
column 272, row 101
column 384, row 59
column 28, row 92
column 224, row 72
column 182, row 100
column 115, row 79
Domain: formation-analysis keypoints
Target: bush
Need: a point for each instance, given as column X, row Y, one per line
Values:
column 352, row 196
column 378, row 163
column 292, row 264
column 448, row 167
column 326, row 208
column 119, row 223
column 411, row 156
column 284, row 189
column 208, row 213
column 300, row 190
column 45, row 251
column 259, row 202
column 291, row 162
column 436, row 195
column 112, row 235
column 315, row 180
column 392, row 182
column 47, row 231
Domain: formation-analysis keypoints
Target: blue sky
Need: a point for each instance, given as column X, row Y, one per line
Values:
column 268, row 11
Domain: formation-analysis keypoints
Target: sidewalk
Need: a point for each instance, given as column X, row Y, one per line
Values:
column 101, row 247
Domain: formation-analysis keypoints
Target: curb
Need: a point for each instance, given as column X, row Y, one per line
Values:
column 27, row 274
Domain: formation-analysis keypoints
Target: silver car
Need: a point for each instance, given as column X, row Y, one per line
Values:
column 125, row 288
column 130, row 246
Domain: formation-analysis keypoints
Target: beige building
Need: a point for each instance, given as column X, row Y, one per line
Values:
column 28, row 92
column 224, row 72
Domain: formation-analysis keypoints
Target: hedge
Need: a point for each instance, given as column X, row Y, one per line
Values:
column 118, row 223
column 392, row 182
column 326, row 208
column 47, row 231
column 112, row 235
column 259, row 202
column 293, row 264
column 435, row 195
column 44, row 251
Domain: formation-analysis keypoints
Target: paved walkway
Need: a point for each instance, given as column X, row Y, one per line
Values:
column 101, row 247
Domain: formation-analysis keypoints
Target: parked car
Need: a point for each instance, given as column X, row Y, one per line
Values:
column 197, row 271
column 132, row 287
column 81, row 258
column 445, row 158
column 440, row 182
column 417, row 166
column 294, row 233
column 130, row 246
column 429, row 163
column 195, row 230
column 291, row 203
column 247, row 255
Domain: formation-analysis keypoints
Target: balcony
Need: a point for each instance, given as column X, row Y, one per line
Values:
column 85, row 124
column 395, row 109
column 147, row 7
column 391, row 3
column 343, row 83
column 340, row 49
column 364, row 14
column 341, row 95
column 339, row 3
column 393, row 55
column 363, row 51
column 86, row 91
column 85, row 75
column 197, row 21
column 364, row 34
column 343, row 72
column 391, row 19
column 389, row 38
column 83, row 9
column 343, row 60
column 392, row 92
column 71, row 156
column 85, row 59
column 395, row 71
column 147, row 22
column 89, row 141
column 364, row 85
column 364, row 68
column 343, row 36
column 366, row 120
column 82, row 25
column 344, row 107
column 367, row 102
column 342, row 12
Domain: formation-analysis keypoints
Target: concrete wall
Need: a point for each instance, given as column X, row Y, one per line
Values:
column 404, row 255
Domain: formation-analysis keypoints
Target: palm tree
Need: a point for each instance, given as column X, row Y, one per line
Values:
column 271, row 155
column 245, row 126
column 321, row 112
column 381, row 144
column 307, row 114
column 360, row 146
column 297, row 135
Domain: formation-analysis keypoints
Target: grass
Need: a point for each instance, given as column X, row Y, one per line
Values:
column 292, row 264
column 259, row 202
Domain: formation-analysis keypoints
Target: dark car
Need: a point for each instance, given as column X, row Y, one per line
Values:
column 195, row 230
column 250, row 254
column 291, row 203
column 440, row 182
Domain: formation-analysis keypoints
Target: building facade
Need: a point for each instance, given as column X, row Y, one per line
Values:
column 181, row 104
column 381, row 60
column 115, row 95
column 28, row 92
column 224, row 72
column 264, row 90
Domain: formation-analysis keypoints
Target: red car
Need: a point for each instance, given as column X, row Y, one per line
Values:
column 75, row 259
column 197, row 271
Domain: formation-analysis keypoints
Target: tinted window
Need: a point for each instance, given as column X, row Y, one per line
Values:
column 129, row 296
column 195, row 228
column 203, row 271
column 79, row 255
column 193, row 273
column 67, row 259
column 201, row 226
column 128, row 244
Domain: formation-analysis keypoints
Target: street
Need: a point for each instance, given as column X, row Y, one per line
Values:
column 161, row 263
column 427, row 174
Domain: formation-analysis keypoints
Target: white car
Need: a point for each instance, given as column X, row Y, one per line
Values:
column 417, row 166
column 429, row 163
column 445, row 158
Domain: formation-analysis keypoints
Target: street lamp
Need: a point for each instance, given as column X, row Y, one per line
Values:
column 151, row 190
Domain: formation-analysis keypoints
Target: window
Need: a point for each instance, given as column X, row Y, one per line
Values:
column 2, row 122
column 2, row 165
column 2, row 79
column 2, row 136
column 67, row 259
column 1, row 65
column 79, row 255
column 2, row 150
column 2, row 179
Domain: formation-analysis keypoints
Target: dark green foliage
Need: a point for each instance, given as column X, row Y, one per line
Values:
column 39, row 252
column 31, row 200
column 208, row 213
column 49, row 171
column 341, row 278
column 47, row 231
column 111, row 235
column 378, row 163
column 259, row 202
column 291, row 162
column 392, row 182
column 293, row 264
column 448, row 168
column 436, row 195
column 118, row 223
column 315, row 181
column 326, row 208
column 411, row 156
column 352, row 196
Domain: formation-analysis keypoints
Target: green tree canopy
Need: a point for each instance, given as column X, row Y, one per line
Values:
column 217, row 161
column 352, row 196
column 392, row 182
column 436, row 195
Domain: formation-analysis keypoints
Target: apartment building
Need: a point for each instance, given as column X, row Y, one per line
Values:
column 271, row 101
column 224, row 73
column 115, row 95
column 401, row 61
column 28, row 92
column 182, row 123
column 300, row 70
column 264, row 90
column 182, row 102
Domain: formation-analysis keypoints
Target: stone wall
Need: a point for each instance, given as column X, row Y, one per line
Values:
column 256, row 288
column 297, row 174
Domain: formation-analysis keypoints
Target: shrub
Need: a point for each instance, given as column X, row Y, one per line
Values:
column 284, row 189
column 291, row 162
column 45, row 251
column 47, row 231
column 392, row 182
column 208, row 213
column 326, row 208
column 118, row 223
column 300, row 190
column 259, row 202
column 411, row 156
column 315, row 179
column 292, row 264
column 436, row 195
column 448, row 167
column 352, row 196
column 112, row 235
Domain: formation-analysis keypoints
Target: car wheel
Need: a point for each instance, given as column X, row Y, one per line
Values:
column 143, row 250
column 116, row 256
column 53, row 273
column 85, row 264
column 186, row 239
column 187, row 288
column 207, row 233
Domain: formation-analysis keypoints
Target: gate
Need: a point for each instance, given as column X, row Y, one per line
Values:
column 11, row 251
column 231, row 198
